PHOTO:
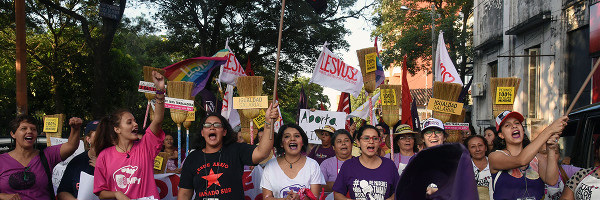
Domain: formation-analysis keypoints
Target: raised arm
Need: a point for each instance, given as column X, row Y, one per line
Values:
column 159, row 107
column 548, row 165
column 67, row 149
column 265, row 144
column 500, row 161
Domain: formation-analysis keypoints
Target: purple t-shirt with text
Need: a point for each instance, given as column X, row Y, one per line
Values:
column 319, row 154
column 365, row 183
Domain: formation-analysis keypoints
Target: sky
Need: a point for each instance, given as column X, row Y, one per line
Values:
column 359, row 37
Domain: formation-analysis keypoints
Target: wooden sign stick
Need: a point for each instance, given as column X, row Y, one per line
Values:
column 277, row 65
column 587, row 80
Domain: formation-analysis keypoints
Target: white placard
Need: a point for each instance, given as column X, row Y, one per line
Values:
column 86, row 187
column 147, row 87
column 179, row 104
column 309, row 121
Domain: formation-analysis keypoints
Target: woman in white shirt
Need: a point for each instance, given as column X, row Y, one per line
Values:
column 478, row 148
column 291, row 175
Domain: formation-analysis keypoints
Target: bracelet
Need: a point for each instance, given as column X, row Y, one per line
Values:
column 267, row 123
column 160, row 91
column 160, row 100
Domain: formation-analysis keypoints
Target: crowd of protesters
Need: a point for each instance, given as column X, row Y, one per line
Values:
column 348, row 164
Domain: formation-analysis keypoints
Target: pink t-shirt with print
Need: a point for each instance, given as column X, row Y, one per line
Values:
column 134, row 176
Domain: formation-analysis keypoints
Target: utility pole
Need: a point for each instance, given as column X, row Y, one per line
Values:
column 21, row 63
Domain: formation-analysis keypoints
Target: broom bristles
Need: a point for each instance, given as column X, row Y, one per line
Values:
column 148, row 78
column 368, row 78
column 448, row 92
column 250, row 86
column 391, row 113
column 503, row 82
column 177, row 89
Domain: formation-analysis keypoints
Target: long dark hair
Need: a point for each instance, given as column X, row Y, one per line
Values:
column 500, row 144
column 279, row 150
column 199, row 143
column 466, row 143
column 105, row 132
column 362, row 129
column 397, row 148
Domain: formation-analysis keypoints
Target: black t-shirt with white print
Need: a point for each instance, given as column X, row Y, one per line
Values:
column 217, row 175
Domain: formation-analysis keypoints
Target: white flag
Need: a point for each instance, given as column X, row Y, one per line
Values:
column 363, row 110
column 227, row 110
column 330, row 71
column 231, row 69
column 444, row 69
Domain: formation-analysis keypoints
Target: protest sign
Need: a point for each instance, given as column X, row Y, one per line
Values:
column 309, row 121
column 51, row 124
column 179, row 104
column 456, row 126
column 371, row 62
column 86, row 187
column 505, row 95
column 388, row 97
column 330, row 71
column 250, row 102
column 259, row 121
column 445, row 106
column 146, row 87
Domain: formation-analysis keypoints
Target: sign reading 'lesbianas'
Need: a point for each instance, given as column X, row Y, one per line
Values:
column 445, row 106
column 311, row 120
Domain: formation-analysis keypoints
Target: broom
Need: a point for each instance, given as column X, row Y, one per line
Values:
column 58, row 133
column 148, row 78
column 189, row 86
column 369, row 81
column 250, row 86
column 503, row 82
column 448, row 92
column 390, row 110
column 177, row 89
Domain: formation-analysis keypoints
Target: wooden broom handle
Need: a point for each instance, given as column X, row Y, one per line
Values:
column 277, row 64
column 587, row 80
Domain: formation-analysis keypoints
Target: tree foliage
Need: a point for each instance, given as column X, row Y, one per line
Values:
column 408, row 32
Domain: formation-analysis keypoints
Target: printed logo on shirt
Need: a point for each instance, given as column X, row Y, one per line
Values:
column 364, row 189
column 583, row 192
column 211, row 177
column 124, row 177
column 484, row 181
column 294, row 188
column 320, row 155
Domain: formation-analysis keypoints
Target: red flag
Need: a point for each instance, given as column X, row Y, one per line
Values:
column 344, row 106
column 323, row 107
column 249, row 70
column 406, row 97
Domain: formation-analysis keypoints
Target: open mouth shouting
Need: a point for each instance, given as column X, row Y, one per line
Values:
column 212, row 136
column 135, row 131
column 29, row 139
column 516, row 134
column 293, row 146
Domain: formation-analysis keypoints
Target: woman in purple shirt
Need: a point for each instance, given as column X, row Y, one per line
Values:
column 516, row 170
column 368, row 176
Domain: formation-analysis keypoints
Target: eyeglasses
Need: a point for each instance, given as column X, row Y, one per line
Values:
column 216, row 125
column 374, row 138
column 430, row 133
column 406, row 137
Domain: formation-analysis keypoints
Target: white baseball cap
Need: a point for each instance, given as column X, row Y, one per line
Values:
column 433, row 123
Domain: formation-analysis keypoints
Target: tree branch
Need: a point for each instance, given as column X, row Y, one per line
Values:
column 78, row 17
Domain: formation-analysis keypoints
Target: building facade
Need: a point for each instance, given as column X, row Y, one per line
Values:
column 543, row 42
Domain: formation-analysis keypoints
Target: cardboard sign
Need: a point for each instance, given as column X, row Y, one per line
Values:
column 388, row 97
column 259, row 121
column 371, row 62
column 250, row 102
column 445, row 106
column 456, row 126
column 146, row 87
column 505, row 95
column 179, row 104
column 309, row 121
column 191, row 116
column 158, row 162
column 51, row 124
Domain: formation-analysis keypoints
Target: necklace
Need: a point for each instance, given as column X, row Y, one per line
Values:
column 291, row 163
column 127, row 152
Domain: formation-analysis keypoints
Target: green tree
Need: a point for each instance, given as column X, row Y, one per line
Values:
column 409, row 32
column 290, row 95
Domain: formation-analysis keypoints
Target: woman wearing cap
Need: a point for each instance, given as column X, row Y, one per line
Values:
column 368, row 176
column 291, row 175
column 478, row 149
column 24, row 171
column 518, row 173
column 84, row 162
column 215, row 169
column 404, row 146
column 433, row 132
column 342, row 144
column 324, row 150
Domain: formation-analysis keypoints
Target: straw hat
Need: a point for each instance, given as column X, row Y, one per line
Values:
column 327, row 128
column 403, row 129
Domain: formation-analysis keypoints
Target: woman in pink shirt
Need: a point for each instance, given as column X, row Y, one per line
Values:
column 124, row 168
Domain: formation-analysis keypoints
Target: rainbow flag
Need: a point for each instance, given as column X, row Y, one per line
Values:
column 196, row 70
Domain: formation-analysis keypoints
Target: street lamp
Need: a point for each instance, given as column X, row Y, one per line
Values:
column 433, row 46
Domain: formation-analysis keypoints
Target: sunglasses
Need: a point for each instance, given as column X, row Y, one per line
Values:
column 216, row 125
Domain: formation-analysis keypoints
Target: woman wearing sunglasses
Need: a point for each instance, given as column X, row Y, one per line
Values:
column 214, row 170
column 368, row 176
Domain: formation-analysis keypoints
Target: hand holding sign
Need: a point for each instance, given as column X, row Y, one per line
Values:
column 159, row 80
column 75, row 123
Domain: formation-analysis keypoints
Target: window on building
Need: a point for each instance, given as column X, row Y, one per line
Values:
column 533, row 81
column 493, row 66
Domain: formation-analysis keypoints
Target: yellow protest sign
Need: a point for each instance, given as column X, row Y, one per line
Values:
column 388, row 97
column 505, row 95
column 158, row 162
column 445, row 106
column 191, row 116
column 371, row 62
column 259, row 121
column 250, row 102
column 51, row 124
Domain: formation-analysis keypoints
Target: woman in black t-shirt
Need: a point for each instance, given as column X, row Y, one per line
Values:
column 215, row 169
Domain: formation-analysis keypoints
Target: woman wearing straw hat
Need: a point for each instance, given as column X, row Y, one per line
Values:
column 478, row 149
column 342, row 144
column 25, row 171
column 368, row 176
column 124, row 167
column 291, row 175
column 215, row 169
column 518, row 172
column 323, row 151
column 404, row 146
